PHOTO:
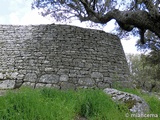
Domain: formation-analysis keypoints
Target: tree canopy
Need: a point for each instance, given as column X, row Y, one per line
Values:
column 138, row 16
column 145, row 70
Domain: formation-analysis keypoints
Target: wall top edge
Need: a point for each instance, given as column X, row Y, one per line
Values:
column 57, row 25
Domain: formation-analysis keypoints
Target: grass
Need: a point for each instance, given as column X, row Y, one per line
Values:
column 52, row 104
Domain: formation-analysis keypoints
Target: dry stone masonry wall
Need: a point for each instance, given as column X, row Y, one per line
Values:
column 60, row 56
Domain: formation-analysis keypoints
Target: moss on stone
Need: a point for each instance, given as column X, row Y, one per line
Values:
column 130, row 103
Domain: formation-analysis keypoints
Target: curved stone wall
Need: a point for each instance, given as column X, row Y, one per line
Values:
column 60, row 56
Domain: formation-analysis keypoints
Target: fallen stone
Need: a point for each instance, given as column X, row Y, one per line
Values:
column 134, row 102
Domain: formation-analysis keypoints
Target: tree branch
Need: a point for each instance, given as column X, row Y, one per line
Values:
column 140, row 19
column 153, row 10
column 145, row 17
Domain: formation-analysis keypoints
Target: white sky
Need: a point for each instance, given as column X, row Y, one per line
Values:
column 19, row 12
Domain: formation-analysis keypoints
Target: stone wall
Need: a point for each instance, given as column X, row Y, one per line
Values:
column 60, row 56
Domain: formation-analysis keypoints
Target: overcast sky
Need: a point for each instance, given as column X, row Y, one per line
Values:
column 19, row 12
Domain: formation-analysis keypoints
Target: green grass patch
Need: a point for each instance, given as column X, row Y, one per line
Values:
column 154, row 103
column 52, row 104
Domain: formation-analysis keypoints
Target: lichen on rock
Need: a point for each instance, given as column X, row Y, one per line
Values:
column 134, row 103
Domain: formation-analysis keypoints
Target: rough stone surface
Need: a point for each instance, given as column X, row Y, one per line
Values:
column 26, row 84
column 86, row 82
column 67, row 86
column 64, row 78
column 7, row 84
column 57, row 54
column 134, row 102
column 49, row 78
column 40, row 85
column 31, row 77
column 104, row 85
column 97, row 76
column 1, row 76
column 14, row 75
